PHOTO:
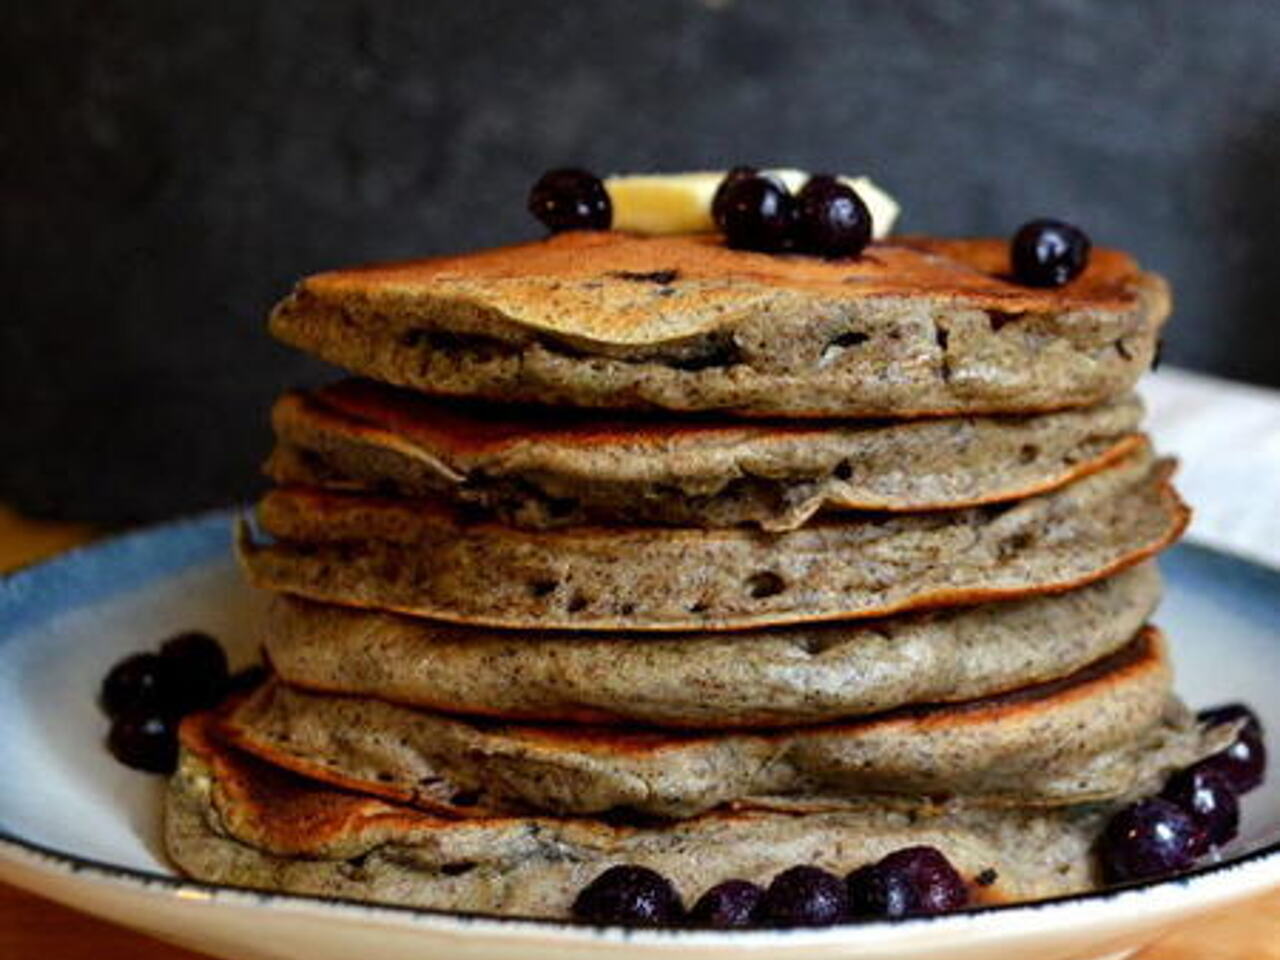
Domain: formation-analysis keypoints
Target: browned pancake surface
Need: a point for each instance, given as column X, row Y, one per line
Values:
column 913, row 327
column 971, row 271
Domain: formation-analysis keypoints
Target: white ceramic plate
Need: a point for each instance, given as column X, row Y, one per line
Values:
column 79, row 828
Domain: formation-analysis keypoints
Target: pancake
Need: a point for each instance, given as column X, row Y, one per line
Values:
column 537, row 469
column 419, row 557
column 763, row 678
column 913, row 327
column 235, row 820
column 1107, row 731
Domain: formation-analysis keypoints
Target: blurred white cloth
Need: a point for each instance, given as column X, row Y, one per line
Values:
column 1227, row 437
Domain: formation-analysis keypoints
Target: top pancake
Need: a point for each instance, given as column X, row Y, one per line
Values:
column 915, row 327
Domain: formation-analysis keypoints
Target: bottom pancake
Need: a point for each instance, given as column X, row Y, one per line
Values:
column 1109, row 731
column 233, row 819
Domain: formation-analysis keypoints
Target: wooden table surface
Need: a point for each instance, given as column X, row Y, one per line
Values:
column 35, row 929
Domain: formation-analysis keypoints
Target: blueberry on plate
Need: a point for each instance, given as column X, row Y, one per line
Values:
column 805, row 896
column 1151, row 838
column 913, row 881
column 137, row 684
column 198, row 671
column 145, row 741
column 571, row 199
column 629, row 896
column 757, row 213
column 1204, row 791
column 1048, row 253
column 731, row 905
column 1244, row 763
column 831, row 219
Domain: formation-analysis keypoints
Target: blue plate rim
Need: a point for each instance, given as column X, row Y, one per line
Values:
column 202, row 537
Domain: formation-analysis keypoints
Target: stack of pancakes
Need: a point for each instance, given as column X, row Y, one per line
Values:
column 857, row 557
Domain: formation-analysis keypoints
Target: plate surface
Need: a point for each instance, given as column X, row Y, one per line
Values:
column 79, row 828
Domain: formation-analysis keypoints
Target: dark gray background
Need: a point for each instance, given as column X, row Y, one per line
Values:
column 168, row 168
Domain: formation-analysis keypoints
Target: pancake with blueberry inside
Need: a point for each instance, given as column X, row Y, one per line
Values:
column 540, row 468
column 231, row 818
column 1109, row 731
column 911, row 327
column 759, row 678
column 426, row 558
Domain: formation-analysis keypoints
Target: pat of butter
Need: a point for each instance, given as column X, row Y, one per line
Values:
column 681, row 202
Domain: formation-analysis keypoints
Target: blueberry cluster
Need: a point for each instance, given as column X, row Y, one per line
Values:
column 147, row 694
column 914, row 881
column 826, row 218
column 1198, row 809
column 755, row 211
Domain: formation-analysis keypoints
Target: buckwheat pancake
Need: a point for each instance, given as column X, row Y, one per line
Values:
column 913, row 327
column 232, row 819
column 421, row 557
column 537, row 468
column 1108, row 731
column 772, row 677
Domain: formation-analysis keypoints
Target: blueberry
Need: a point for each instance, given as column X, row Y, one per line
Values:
column 145, row 741
column 740, row 172
column 198, row 671
column 630, row 896
column 1205, row 793
column 139, row 683
column 873, row 893
column 831, row 219
column 726, row 906
column 1048, row 253
column 908, row 882
column 1244, row 763
column 571, row 199
column 805, row 897
column 757, row 213
column 1150, row 838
